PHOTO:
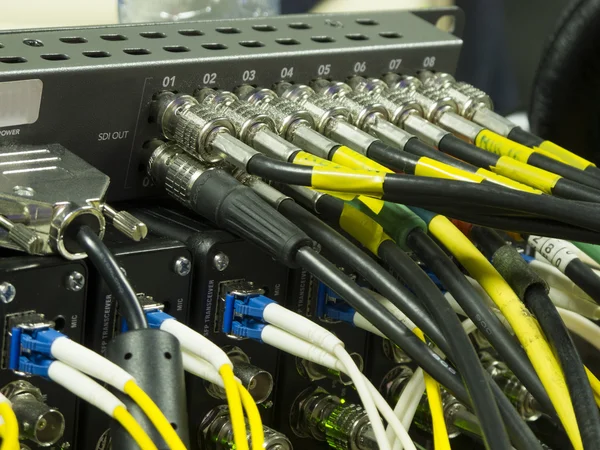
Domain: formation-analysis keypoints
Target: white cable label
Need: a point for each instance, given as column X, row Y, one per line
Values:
column 557, row 252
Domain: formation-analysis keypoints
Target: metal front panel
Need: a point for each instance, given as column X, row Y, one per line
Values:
column 97, row 102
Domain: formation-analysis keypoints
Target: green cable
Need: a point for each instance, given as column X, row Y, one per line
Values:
column 593, row 251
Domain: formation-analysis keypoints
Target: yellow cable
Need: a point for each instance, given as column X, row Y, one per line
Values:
column 441, row 441
column 525, row 326
column 156, row 416
column 10, row 439
column 254, row 419
column 134, row 429
column 594, row 382
column 234, row 401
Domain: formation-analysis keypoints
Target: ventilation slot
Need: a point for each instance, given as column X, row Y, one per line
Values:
column 96, row 54
column 299, row 26
column 113, row 37
column 251, row 44
column 287, row 41
column 390, row 35
column 55, row 57
column 357, row 37
column 228, row 30
column 214, row 46
column 263, row 27
column 153, row 35
column 73, row 40
column 369, row 22
column 176, row 48
column 137, row 51
column 323, row 39
column 12, row 59
column 191, row 32
column 33, row 42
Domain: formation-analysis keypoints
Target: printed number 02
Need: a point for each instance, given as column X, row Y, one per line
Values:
column 209, row 78
column 249, row 75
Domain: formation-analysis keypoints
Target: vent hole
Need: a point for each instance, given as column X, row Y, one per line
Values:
column 323, row 39
column 128, row 356
column 153, row 35
column 12, row 59
column 214, row 46
column 55, row 57
column 59, row 323
column 1, row 46
column 191, row 32
column 73, row 40
column 287, row 41
column 228, row 30
column 299, row 26
column 33, row 42
column 113, row 37
column 390, row 34
column 168, row 355
column 137, row 51
column 263, row 27
column 174, row 425
column 97, row 54
column 176, row 48
column 357, row 37
column 367, row 22
column 251, row 44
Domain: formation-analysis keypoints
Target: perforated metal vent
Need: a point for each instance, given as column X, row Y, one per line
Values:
column 118, row 44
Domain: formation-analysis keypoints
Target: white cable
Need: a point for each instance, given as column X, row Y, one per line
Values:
column 392, row 309
column 201, row 368
column 196, row 344
column 365, row 395
column 84, row 387
column 362, row 323
column 581, row 326
column 300, row 326
column 89, row 362
column 587, row 308
column 3, row 399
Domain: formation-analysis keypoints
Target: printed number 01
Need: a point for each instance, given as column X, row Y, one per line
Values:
column 168, row 82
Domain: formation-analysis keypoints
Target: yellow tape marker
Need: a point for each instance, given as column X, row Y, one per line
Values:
column 494, row 143
column 364, row 229
column 562, row 154
column 350, row 158
column 427, row 167
column 507, row 182
column 307, row 159
column 347, row 180
column 374, row 204
column 529, row 175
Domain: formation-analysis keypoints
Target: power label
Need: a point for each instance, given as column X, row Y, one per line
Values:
column 557, row 252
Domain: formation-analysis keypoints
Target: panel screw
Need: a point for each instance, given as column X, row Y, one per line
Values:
column 75, row 281
column 221, row 261
column 182, row 266
column 7, row 292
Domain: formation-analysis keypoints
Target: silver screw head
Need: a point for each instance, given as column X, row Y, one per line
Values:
column 7, row 292
column 182, row 266
column 221, row 261
column 75, row 281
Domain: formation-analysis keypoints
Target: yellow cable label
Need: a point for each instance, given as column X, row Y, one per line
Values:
column 307, row 159
column 347, row 180
column 562, row 154
column 523, row 323
column 341, row 195
column 494, row 143
column 347, row 157
column 427, row 167
column 529, row 175
column 374, row 204
column 362, row 228
column 507, row 182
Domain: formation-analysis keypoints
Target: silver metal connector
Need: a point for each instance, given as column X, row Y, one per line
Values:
column 46, row 195
column 38, row 422
column 321, row 416
column 216, row 433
